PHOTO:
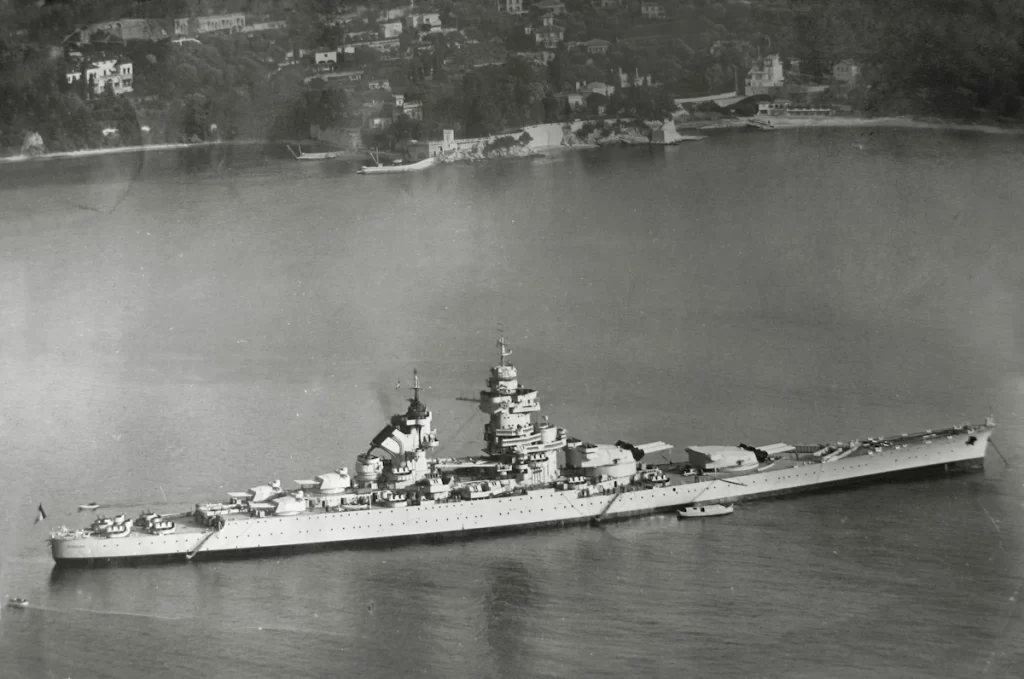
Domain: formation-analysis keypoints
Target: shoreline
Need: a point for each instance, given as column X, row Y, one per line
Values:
column 84, row 153
column 782, row 122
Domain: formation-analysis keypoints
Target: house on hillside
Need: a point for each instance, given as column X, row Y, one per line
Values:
column 391, row 29
column 550, row 35
column 400, row 106
column 98, row 38
column 385, row 45
column 511, row 6
column 214, row 23
column 325, row 57
column 652, row 9
column 846, row 71
column 261, row 26
column 420, row 19
column 597, row 46
column 120, row 74
column 765, row 76
column 120, row 30
column 393, row 13
column 412, row 109
column 347, row 79
column 596, row 88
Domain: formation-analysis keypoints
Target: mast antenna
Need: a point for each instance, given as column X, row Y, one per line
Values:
column 503, row 349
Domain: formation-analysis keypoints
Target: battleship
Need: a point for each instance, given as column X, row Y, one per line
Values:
column 532, row 474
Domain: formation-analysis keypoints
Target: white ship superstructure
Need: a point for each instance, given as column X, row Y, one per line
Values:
column 399, row 492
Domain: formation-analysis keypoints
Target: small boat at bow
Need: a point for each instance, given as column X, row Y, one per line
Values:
column 88, row 506
column 693, row 512
column 381, row 168
column 17, row 602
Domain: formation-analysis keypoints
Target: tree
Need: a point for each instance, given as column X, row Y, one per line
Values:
column 195, row 118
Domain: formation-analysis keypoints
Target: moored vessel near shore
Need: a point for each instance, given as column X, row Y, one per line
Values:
column 399, row 167
column 397, row 492
column 322, row 155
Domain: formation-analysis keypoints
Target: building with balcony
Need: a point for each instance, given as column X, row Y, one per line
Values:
column 99, row 72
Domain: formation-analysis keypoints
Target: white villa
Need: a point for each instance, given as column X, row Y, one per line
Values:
column 120, row 74
column 765, row 76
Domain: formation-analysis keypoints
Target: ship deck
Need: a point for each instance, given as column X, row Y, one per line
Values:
column 678, row 473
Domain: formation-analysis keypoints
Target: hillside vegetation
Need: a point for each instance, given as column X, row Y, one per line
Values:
column 953, row 58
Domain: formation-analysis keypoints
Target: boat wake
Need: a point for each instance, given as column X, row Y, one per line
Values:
column 95, row 611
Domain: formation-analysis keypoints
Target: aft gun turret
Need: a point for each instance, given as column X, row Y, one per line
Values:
column 761, row 455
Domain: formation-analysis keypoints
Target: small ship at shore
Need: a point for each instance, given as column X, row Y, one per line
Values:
column 532, row 475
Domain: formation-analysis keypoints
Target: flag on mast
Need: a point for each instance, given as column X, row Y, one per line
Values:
column 42, row 513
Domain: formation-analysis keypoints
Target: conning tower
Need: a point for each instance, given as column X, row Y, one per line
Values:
column 512, row 437
column 403, row 445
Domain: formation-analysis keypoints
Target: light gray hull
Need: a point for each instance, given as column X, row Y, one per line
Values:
column 533, row 510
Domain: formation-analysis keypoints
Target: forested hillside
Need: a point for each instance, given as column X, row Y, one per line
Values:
column 953, row 58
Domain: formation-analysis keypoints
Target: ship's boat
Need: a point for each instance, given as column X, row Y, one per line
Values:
column 117, row 530
column 161, row 526
column 88, row 506
column 702, row 511
column 390, row 499
column 17, row 602
column 154, row 523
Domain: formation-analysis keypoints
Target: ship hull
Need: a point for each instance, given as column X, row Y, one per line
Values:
column 535, row 510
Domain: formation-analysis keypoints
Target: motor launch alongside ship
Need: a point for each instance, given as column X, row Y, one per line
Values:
column 397, row 492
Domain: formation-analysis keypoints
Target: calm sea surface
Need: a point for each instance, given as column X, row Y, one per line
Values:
column 175, row 327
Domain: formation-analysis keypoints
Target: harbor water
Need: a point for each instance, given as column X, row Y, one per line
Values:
column 178, row 325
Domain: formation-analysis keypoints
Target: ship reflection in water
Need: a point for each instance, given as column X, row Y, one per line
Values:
column 511, row 591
